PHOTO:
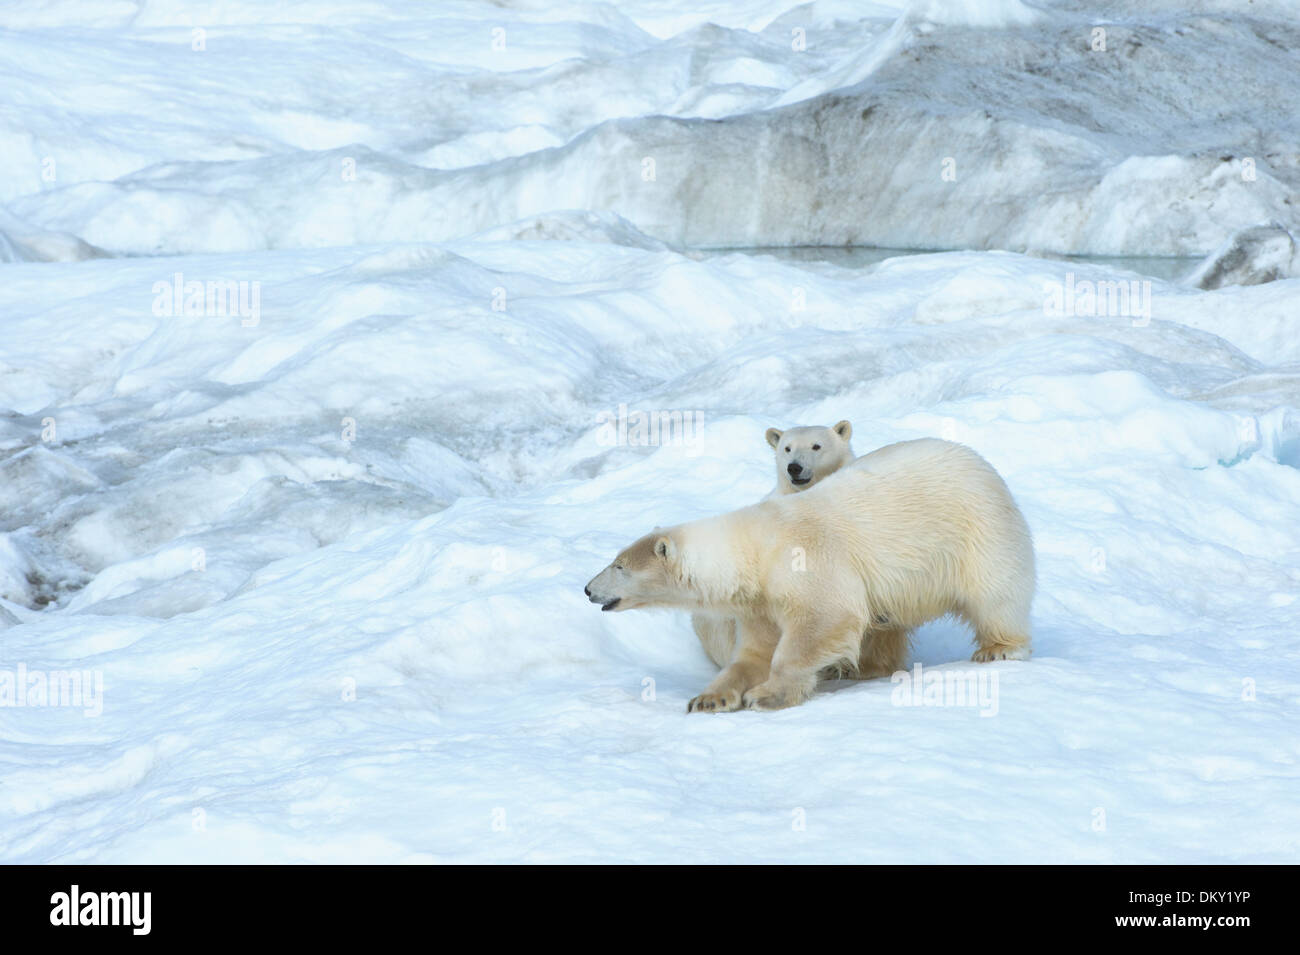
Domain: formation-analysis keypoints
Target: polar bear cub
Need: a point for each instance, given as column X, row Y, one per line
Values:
column 804, row 456
column 843, row 571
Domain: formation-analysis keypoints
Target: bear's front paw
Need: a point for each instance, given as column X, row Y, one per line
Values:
column 774, row 696
column 715, row 702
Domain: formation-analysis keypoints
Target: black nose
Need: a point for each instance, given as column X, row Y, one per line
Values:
column 794, row 469
column 587, row 591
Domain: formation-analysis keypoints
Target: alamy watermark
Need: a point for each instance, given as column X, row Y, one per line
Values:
column 130, row 909
column 22, row 687
column 975, row 688
column 214, row 298
column 1087, row 299
column 648, row 428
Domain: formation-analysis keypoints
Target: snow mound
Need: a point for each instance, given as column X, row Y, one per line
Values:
column 1251, row 256
column 1023, row 132
column 21, row 243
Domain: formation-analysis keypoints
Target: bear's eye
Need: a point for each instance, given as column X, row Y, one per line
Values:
column 787, row 449
column 618, row 566
column 817, row 447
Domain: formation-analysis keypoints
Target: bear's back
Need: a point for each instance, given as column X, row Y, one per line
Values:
column 926, row 490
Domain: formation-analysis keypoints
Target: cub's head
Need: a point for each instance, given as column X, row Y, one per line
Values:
column 806, row 455
column 642, row 575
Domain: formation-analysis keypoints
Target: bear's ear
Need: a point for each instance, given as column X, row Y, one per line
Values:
column 773, row 436
column 665, row 548
column 844, row 430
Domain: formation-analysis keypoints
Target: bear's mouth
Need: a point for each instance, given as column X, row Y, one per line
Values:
column 611, row 605
column 800, row 482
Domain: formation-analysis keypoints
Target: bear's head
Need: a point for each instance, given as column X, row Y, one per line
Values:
column 642, row 575
column 806, row 455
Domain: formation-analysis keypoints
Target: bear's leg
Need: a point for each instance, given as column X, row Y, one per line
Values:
column 884, row 652
column 803, row 652
column 750, row 665
column 997, row 607
column 1001, row 636
column 717, row 636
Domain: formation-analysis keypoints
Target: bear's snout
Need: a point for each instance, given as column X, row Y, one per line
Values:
column 794, row 468
column 606, row 602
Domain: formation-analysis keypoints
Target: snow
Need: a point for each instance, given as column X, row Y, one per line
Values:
column 325, row 547
column 1250, row 257
column 964, row 123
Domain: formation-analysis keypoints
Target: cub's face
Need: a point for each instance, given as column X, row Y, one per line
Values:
column 640, row 576
column 806, row 455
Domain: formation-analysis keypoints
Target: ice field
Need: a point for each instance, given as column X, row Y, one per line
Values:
column 308, row 332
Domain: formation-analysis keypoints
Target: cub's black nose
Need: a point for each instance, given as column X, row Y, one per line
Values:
column 794, row 469
column 587, row 591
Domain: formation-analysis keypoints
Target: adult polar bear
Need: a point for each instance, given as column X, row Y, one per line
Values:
column 804, row 456
column 908, row 533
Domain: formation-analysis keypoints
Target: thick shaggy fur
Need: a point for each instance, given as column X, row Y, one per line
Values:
column 842, row 573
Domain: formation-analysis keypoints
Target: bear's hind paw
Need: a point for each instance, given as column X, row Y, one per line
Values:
column 1001, row 652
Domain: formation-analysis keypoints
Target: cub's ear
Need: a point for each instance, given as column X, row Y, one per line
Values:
column 844, row 430
column 665, row 548
column 773, row 436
